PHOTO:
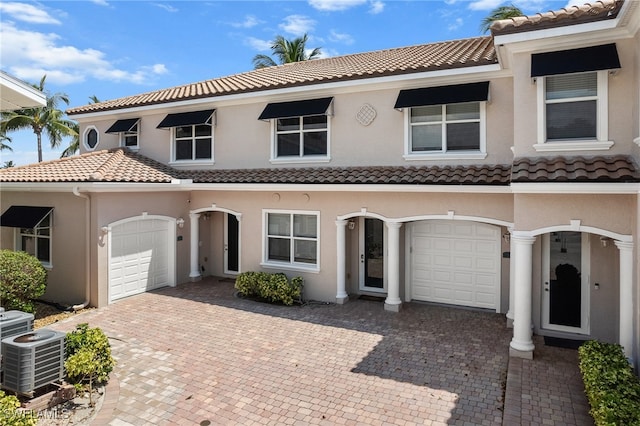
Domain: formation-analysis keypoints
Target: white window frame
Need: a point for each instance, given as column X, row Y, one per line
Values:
column 136, row 133
column 198, row 161
column 85, row 135
column 19, row 234
column 601, row 142
column 478, row 154
column 291, row 265
column 300, row 158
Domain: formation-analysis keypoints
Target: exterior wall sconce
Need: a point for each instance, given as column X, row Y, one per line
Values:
column 105, row 230
column 506, row 237
column 605, row 241
column 180, row 222
column 352, row 225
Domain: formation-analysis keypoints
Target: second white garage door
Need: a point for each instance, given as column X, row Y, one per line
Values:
column 455, row 262
column 141, row 257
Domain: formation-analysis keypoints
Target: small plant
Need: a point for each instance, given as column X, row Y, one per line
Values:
column 275, row 288
column 10, row 414
column 612, row 389
column 22, row 280
column 88, row 357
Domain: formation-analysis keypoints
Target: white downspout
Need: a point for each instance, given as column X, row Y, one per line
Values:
column 87, row 263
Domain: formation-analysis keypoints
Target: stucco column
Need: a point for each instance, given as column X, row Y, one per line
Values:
column 393, row 301
column 626, row 297
column 522, row 344
column 341, row 261
column 512, row 283
column 194, row 244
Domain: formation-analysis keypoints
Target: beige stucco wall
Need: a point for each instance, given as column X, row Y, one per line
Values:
column 66, row 278
column 243, row 141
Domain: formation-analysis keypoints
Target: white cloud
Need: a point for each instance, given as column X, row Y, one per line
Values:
column 250, row 21
column 27, row 12
column 455, row 24
column 258, row 44
column 166, row 7
column 100, row 2
column 484, row 4
column 335, row 5
column 297, row 24
column 29, row 55
column 575, row 3
column 376, row 7
column 340, row 37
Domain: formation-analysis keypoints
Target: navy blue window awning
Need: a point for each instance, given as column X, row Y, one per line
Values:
column 595, row 58
column 24, row 216
column 123, row 125
column 186, row 118
column 296, row 108
column 442, row 95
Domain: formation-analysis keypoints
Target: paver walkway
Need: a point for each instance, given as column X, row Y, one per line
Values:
column 197, row 355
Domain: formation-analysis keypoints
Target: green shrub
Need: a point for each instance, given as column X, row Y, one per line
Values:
column 612, row 389
column 22, row 280
column 88, row 357
column 11, row 416
column 275, row 288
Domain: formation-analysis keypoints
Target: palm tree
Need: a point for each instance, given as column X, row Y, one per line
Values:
column 48, row 119
column 8, row 164
column 499, row 13
column 286, row 51
column 4, row 138
column 74, row 146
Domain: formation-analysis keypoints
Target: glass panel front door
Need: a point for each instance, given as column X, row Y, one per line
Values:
column 565, row 305
column 231, row 244
column 372, row 255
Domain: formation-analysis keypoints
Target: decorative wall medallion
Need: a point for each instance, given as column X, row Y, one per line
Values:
column 366, row 115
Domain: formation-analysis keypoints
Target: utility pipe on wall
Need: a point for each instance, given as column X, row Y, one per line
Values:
column 87, row 263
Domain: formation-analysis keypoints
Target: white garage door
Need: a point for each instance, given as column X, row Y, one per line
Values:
column 141, row 258
column 455, row 262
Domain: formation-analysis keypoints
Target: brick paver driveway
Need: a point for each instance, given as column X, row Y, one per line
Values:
column 196, row 354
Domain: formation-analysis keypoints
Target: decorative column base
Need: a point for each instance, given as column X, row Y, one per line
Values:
column 515, row 353
column 392, row 307
column 342, row 300
column 195, row 279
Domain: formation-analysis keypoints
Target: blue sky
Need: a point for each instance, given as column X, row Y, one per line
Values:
column 112, row 49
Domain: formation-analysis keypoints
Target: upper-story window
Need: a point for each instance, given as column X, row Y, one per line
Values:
column 91, row 138
column 33, row 230
column 300, row 130
column 572, row 97
column 128, row 131
column 446, row 121
column 192, row 136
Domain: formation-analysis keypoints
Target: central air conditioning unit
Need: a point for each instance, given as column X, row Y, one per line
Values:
column 13, row 323
column 33, row 360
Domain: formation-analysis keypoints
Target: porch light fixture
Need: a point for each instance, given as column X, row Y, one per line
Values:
column 352, row 225
column 506, row 237
column 180, row 222
column 605, row 241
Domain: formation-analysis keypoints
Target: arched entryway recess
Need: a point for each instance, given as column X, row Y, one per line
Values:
column 479, row 230
column 231, row 239
column 522, row 260
column 141, row 255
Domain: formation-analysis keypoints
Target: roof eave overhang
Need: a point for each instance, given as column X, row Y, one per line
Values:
column 175, row 185
column 455, row 75
column 575, row 188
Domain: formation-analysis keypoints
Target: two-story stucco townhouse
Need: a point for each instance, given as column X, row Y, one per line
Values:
column 493, row 172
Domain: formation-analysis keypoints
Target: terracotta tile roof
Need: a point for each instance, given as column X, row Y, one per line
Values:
column 405, row 60
column 575, row 169
column 116, row 165
column 572, row 15
column 427, row 175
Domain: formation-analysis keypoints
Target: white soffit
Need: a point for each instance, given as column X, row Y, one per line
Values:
column 16, row 94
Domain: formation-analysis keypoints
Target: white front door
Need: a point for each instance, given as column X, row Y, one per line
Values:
column 565, row 282
column 455, row 262
column 141, row 257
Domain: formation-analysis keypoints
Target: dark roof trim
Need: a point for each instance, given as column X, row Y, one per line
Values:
column 24, row 216
column 123, row 125
column 186, row 118
column 471, row 92
column 595, row 58
column 296, row 108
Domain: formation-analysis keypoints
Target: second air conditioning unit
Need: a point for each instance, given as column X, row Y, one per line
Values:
column 33, row 360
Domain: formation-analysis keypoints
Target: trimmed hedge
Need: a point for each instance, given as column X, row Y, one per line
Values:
column 613, row 390
column 22, row 280
column 275, row 288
